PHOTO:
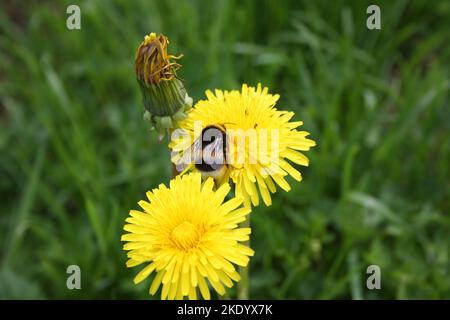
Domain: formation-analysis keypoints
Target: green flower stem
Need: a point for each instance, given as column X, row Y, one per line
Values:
column 244, row 285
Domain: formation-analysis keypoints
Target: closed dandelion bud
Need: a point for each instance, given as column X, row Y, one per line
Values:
column 165, row 98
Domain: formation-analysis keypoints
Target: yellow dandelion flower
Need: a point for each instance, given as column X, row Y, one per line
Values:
column 189, row 237
column 262, row 142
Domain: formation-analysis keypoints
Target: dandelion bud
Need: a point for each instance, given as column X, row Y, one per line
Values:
column 165, row 98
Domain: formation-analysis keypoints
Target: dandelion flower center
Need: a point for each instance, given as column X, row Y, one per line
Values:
column 185, row 236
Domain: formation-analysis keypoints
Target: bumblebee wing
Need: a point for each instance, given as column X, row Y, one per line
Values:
column 185, row 170
column 213, row 152
column 197, row 152
column 184, row 156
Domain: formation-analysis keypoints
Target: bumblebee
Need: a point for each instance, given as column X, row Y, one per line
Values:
column 210, row 152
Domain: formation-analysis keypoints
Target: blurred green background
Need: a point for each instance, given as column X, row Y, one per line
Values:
column 76, row 154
